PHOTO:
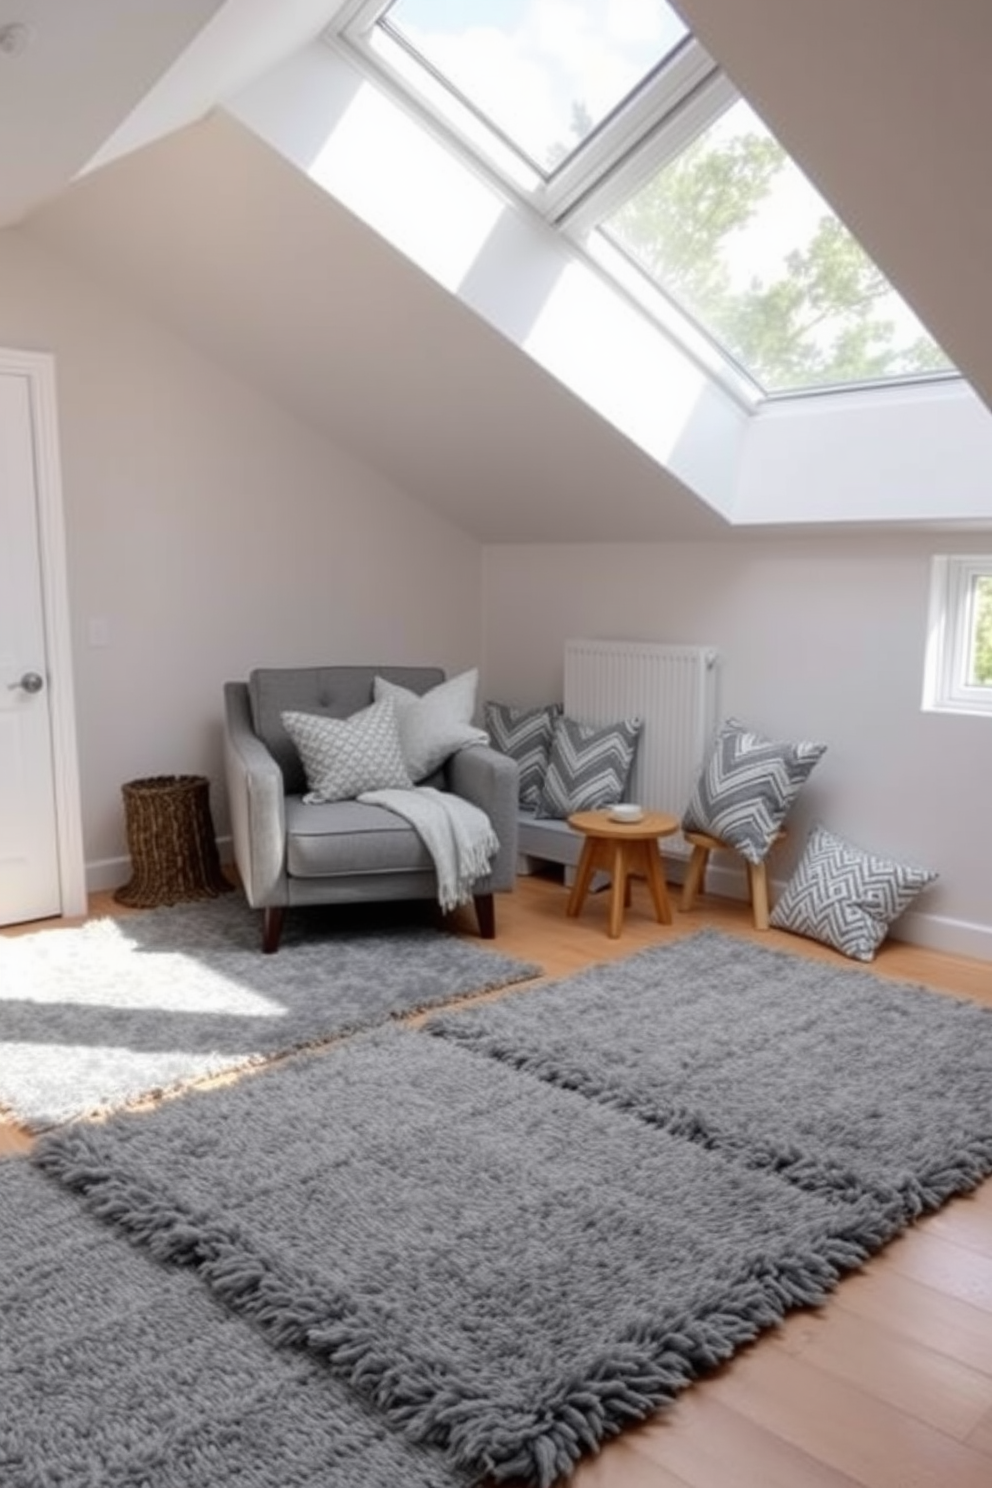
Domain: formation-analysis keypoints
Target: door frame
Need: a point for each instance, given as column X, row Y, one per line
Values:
column 38, row 368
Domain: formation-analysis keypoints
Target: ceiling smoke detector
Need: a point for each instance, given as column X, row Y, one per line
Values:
column 15, row 38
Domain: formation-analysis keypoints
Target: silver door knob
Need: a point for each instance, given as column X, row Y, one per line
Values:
column 30, row 682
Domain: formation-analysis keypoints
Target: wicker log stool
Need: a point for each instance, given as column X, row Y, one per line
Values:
column 170, row 838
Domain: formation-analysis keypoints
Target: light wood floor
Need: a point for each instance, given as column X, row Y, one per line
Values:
column 887, row 1386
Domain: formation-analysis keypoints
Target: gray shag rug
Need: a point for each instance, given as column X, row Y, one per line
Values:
column 103, row 1015
column 503, row 1268
column 117, row 1372
column 834, row 1079
column 524, row 1226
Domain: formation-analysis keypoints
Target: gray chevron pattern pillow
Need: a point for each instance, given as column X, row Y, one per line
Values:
column 588, row 767
column 342, row 757
column 845, row 897
column 747, row 787
column 524, row 734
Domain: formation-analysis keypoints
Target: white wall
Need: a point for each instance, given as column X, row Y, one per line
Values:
column 888, row 454
column 212, row 532
column 820, row 639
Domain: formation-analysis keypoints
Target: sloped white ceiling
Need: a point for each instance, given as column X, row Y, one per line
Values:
column 239, row 253
column 82, row 81
column 84, row 66
column 885, row 104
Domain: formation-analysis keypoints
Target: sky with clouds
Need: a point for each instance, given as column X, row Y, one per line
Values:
column 527, row 63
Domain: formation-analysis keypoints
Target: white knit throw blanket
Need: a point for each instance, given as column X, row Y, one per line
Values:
column 458, row 836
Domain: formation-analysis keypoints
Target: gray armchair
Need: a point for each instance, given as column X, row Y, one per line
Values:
column 345, row 852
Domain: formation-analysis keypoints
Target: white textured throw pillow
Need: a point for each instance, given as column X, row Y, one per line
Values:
column 344, row 756
column 434, row 726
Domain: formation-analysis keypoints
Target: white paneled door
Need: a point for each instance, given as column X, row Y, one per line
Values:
column 30, row 879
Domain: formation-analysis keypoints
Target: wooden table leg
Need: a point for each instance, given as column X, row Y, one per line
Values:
column 695, row 876
column 618, row 889
column 758, row 875
column 583, row 877
column 656, row 883
column 611, row 858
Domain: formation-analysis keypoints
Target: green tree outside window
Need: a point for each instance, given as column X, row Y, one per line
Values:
column 981, row 661
column 713, row 229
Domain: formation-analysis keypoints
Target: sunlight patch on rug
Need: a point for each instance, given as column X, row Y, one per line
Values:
column 119, row 1009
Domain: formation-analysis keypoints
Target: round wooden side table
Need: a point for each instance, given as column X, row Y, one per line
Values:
column 620, row 849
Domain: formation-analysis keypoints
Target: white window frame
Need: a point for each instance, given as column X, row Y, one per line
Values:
column 671, row 106
column 950, row 636
column 570, row 195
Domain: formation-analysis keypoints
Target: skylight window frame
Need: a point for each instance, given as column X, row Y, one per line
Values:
column 637, row 286
column 697, row 93
column 471, row 128
column 554, row 194
column 674, row 122
column 627, row 132
column 678, row 100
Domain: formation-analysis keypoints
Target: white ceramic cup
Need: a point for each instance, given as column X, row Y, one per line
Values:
column 626, row 811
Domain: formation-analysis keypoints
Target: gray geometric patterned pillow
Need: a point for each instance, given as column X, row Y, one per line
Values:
column 747, row 788
column 344, row 756
column 845, row 897
column 524, row 734
column 588, row 767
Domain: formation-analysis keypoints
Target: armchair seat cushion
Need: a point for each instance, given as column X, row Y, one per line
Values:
column 349, row 837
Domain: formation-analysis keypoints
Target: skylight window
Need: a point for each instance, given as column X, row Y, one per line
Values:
column 544, row 73
column 609, row 119
column 732, row 230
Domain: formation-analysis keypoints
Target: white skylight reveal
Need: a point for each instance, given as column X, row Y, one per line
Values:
column 610, row 120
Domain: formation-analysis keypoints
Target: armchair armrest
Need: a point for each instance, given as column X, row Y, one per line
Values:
column 256, row 796
column 491, row 781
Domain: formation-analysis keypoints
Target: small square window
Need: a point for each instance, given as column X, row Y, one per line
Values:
column 958, row 676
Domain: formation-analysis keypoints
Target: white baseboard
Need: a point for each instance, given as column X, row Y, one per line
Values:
column 939, row 933
column 111, row 873
column 727, row 883
column 107, row 873
column 935, row 932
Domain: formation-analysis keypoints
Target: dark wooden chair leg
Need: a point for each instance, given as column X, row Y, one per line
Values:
column 485, row 913
column 271, row 928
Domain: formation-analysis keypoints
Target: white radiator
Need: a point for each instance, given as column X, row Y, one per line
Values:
column 673, row 690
